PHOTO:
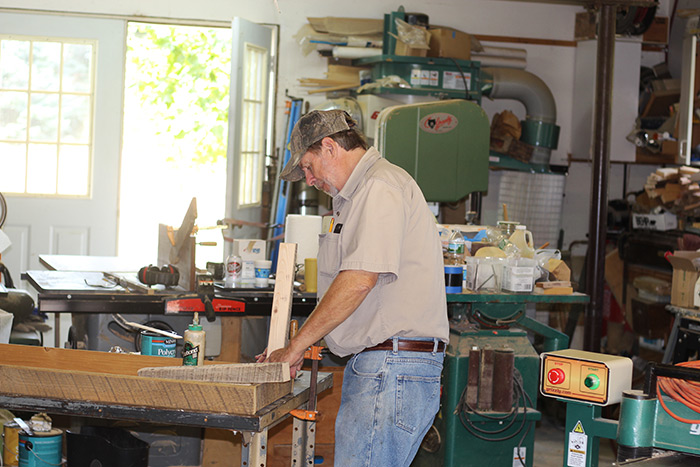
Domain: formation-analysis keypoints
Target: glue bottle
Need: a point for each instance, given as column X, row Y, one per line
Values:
column 522, row 238
column 195, row 338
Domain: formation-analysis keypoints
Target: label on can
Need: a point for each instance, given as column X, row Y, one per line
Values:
column 157, row 345
column 233, row 268
column 190, row 354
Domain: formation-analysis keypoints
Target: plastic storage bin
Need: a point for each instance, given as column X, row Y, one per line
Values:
column 484, row 274
column 105, row 447
column 519, row 275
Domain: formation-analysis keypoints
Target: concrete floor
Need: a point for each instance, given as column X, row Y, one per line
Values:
column 549, row 445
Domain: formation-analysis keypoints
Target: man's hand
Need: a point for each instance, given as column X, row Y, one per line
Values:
column 286, row 354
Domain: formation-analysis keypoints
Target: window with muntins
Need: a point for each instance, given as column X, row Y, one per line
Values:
column 46, row 115
column 253, row 126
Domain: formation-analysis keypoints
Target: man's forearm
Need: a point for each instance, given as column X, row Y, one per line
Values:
column 345, row 294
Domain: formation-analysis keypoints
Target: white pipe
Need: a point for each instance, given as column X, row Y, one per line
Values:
column 502, row 52
column 527, row 88
column 504, row 62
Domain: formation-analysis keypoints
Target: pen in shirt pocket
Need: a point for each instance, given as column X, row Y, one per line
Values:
column 330, row 229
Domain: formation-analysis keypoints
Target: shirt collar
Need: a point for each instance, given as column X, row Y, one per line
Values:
column 358, row 174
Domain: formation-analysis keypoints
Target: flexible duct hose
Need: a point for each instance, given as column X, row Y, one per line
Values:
column 523, row 86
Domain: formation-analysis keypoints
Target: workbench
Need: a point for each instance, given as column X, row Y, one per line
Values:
column 254, row 428
column 78, row 284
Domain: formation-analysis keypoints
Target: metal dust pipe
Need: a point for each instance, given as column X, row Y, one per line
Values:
column 539, row 127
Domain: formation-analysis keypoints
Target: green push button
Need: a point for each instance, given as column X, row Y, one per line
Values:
column 592, row 382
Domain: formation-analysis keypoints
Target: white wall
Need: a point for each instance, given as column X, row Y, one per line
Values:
column 553, row 64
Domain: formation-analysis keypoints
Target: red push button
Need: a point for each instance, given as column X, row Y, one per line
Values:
column 556, row 376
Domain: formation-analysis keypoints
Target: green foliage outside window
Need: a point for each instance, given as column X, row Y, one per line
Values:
column 181, row 76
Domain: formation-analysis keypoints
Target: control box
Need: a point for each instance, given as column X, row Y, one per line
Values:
column 576, row 375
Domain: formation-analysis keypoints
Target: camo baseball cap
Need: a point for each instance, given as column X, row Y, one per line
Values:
column 311, row 128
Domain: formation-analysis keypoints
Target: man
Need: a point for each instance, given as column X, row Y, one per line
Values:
column 381, row 283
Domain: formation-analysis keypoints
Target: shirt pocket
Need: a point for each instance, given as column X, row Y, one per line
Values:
column 328, row 254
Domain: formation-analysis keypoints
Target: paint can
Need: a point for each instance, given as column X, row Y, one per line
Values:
column 10, row 435
column 157, row 345
column 453, row 279
column 42, row 449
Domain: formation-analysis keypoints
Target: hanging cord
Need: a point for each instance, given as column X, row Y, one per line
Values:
column 4, row 272
column 3, row 216
column 464, row 80
column 680, row 390
column 463, row 410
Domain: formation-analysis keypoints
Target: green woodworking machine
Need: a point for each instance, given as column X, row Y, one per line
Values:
column 657, row 426
column 488, row 408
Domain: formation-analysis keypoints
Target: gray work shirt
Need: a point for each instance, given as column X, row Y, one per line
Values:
column 382, row 224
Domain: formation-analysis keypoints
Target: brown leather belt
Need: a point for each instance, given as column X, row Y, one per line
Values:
column 408, row 345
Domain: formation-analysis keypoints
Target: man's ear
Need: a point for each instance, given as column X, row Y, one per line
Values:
column 329, row 144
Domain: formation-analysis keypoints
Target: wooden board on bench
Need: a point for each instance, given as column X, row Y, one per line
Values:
column 111, row 378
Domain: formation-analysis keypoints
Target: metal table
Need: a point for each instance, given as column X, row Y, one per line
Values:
column 87, row 292
column 254, row 428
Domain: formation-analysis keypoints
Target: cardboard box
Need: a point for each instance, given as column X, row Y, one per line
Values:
column 657, row 33
column 585, row 26
column 684, row 278
column 406, row 50
column 558, row 270
column 450, row 43
column 665, row 221
column 250, row 249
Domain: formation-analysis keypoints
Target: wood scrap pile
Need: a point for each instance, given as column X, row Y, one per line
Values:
column 505, row 137
column 675, row 189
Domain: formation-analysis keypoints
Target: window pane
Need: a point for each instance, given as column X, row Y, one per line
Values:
column 46, row 62
column 13, row 163
column 59, row 78
column 14, row 64
column 75, row 119
column 41, row 169
column 13, row 115
column 73, row 163
column 44, row 117
column 76, row 67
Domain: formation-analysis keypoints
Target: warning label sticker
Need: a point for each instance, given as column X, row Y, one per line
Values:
column 454, row 80
column 578, row 446
column 519, row 458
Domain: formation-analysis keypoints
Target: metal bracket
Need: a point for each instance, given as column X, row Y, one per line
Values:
column 303, row 442
column 254, row 450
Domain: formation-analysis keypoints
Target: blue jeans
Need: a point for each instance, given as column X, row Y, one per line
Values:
column 388, row 402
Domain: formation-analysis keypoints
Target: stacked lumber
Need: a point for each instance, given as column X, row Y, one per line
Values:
column 338, row 78
column 674, row 188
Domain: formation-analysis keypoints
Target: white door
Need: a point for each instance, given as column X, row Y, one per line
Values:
column 84, row 224
column 251, row 65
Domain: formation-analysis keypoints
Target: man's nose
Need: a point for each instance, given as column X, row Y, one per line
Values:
column 309, row 177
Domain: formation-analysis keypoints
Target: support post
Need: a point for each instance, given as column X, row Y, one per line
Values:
column 599, row 178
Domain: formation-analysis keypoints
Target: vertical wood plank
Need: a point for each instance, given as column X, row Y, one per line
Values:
column 230, row 339
column 282, row 298
column 223, row 447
